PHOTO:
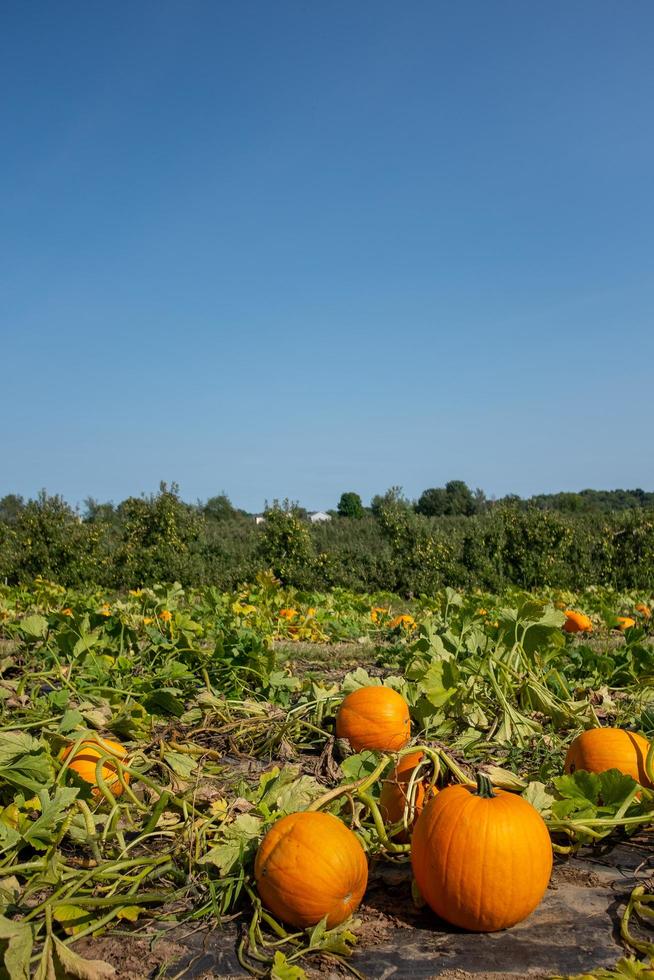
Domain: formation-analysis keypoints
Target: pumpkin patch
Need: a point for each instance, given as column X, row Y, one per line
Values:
column 299, row 805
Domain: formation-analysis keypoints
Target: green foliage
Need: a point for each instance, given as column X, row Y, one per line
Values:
column 285, row 545
column 450, row 537
column 350, row 505
column 155, row 535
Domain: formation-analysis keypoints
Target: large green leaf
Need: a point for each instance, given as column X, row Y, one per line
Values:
column 16, row 942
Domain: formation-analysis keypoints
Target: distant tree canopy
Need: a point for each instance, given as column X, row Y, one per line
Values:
column 350, row 505
column 455, row 499
column 219, row 508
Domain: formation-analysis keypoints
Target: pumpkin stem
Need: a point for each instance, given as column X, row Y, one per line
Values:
column 484, row 786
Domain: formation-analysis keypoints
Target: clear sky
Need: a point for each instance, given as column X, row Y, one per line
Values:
column 290, row 248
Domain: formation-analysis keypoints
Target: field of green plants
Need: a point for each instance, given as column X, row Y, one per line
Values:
column 150, row 740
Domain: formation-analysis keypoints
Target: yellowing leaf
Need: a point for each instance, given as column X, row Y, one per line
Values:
column 76, row 966
column 283, row 970
column 130, row 912
column 72, row 918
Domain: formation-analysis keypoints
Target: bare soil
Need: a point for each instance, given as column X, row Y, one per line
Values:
column 574, row 930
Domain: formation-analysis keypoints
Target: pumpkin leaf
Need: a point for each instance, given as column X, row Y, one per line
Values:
column 164, row 702
column 130, row 912
column 9, row 891
column 13, row 745
column 16, row 945
column 71, row 720
column 358, row 678
column 53, row 812
column 24, row 762
column 75, row 965
column 359, row 765
column 540, row 799
column 72, row 918
column 298, row 794
column 238, row 845
column 181, row 764
column 615, row 787
column 281, row 969
column 340, row 940
column 33, row 627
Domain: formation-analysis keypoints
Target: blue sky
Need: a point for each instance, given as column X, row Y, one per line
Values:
column 293, row 249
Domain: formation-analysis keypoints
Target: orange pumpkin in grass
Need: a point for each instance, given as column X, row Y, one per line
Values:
column 374, row 718
column 625, row 623
column 600, row 749
column 308, row 866
column 394, row 793
column 481, row 858
column 576, row 622
column 84, row 763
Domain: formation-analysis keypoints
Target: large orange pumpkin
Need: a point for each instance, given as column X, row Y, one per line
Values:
column 85, row 759
column 481, row 858
column 394, row 793
column 308, row 866
column 374, row 718
column 576, row 622
column 600, row 749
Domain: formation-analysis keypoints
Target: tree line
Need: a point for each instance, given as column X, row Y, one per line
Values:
column 449, row 536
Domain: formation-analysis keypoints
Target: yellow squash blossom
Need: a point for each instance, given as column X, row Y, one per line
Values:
column 106, row 609
column 643, row 610
column 147, row 620
column 406, row 622
column 67, row 611
column 377, row 613
column 288, row 613
column 166, row 615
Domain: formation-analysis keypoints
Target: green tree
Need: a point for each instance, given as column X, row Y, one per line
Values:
column 155, row 538
column 350, row 505
column 11, row 507
column 393, row 498
column 432, row 502
column 285, row 544
column 219, row 508
column 460, row 501
column 97, row 513
column 48, row 538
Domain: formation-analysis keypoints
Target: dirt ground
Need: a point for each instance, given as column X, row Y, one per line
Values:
column 574, row 930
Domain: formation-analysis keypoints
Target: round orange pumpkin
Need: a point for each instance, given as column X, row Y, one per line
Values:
column 600, row 749
column 308, row 866
column 85, row 759
column 481, row 858
column 394, row 793
column 374, row 718
column 576, row 622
